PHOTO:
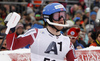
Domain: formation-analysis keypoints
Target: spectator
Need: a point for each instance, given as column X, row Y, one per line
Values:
column 36, row 24
column 23, row 17
column 73, row 9
column 7, row 8
column 86, row 18
column 93, row 17
column 94, row 4
column 79, row 38
column 79, row 13
column 2, row 34
column 30, row 11
column 39, row 23
column 83, row 38
column 73, row 35
column 89, row 27
column 3, row 29
column 97, row 40
column 4, row 47
column 68, row 16
column 3, row 15
column 19, row 29
column 82, row 5
column 90, row 39
column 96, row 28
column 86, row 21
column 13, row 8
column 96, row 9
column 87, row 12
column 77, row 22
column 27, row 21
column 38, row 16
column 30, row 8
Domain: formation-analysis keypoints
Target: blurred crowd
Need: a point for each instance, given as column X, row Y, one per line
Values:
column 82, row 28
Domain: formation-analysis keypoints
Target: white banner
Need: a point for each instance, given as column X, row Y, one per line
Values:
column 87, row 54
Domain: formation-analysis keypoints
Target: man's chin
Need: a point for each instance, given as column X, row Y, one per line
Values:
column 59, row 27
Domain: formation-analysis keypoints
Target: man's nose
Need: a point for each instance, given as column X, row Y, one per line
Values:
column 61, row 19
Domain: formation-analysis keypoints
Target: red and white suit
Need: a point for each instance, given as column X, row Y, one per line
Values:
column 44, row 45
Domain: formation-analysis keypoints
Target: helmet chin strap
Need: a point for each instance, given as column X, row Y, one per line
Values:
column 51, row 23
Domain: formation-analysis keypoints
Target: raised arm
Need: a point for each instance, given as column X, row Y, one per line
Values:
column 14, row 42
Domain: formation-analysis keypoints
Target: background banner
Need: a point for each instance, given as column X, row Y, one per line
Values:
column 87, row 54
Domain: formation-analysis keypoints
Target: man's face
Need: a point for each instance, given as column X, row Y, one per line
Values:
column 19, row 30
column 78, row 15
column 61, row 21
column 72, row 39
column 87, row 14
column 93, row 17
column 37, row 16
column 4, row 45
column 78, row 22
column 59, row 18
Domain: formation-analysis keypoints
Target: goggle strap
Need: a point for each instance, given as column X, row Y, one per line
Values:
column 46, row 16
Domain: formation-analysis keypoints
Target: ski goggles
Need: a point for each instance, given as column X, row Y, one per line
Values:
column 37, row 15
column 72, row 37
column 58, row 15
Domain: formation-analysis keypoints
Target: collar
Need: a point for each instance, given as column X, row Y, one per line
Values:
column 51, row 33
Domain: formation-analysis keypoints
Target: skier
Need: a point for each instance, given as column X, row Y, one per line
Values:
column 47, row 44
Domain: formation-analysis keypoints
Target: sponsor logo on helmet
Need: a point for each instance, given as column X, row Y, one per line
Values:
column 61, row 9
column 58, row 6
column 46, row 16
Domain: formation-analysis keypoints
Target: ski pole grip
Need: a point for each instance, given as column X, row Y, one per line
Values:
column 7, row 30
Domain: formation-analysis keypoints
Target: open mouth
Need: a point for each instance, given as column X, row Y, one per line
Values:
column 61, row 23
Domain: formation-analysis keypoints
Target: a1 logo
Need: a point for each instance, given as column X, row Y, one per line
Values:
column 53, row 47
